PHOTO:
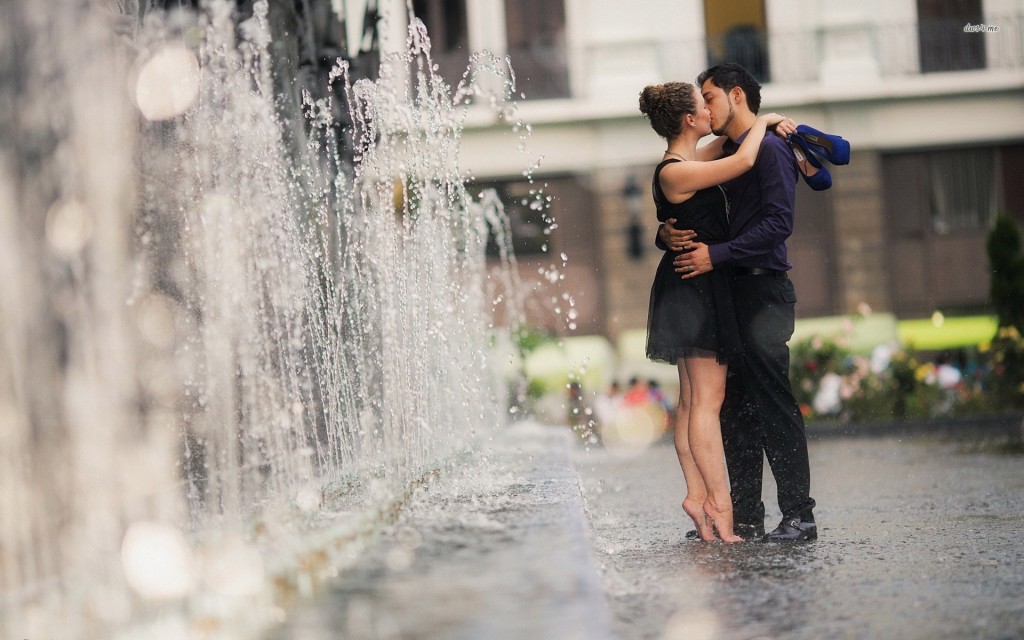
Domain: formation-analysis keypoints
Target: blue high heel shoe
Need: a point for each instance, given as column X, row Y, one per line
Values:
column 818, row 180
column 835, row 149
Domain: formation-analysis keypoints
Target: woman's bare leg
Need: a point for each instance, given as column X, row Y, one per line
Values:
column 696, row 492
column 707, row 391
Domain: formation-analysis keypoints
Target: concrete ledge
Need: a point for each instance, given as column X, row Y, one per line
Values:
column 495, row 548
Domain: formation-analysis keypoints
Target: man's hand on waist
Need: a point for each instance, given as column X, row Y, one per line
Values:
column 675, row 239
column 695, row 261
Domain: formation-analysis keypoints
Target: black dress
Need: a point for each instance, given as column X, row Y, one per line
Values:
column 693, row 317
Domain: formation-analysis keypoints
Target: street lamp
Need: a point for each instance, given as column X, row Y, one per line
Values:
column 634, row 199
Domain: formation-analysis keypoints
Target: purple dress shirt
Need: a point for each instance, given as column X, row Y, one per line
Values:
column 760, row 209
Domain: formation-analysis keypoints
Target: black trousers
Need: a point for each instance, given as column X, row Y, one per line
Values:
column 760, row 416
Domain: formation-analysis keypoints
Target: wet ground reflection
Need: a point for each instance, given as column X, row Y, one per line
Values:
column 496, row 550
column 919, row 539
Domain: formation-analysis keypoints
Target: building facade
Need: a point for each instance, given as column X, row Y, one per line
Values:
column 930, row 93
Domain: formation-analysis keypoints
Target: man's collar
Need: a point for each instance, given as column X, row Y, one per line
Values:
column 732, row 146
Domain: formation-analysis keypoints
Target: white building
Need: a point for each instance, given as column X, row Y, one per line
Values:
column 930, row 94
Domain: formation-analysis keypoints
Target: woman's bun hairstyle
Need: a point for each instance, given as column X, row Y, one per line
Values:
column 665, row 105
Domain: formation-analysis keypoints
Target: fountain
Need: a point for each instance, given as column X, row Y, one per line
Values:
column 233, row 341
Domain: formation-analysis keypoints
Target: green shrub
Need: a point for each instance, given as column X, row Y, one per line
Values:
column 1007, row 265
column 1004, row 381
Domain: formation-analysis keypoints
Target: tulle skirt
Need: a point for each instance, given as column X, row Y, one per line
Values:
column 693, row 317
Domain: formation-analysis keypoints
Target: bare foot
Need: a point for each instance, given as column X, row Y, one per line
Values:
column 722, row 519
column 695, row 510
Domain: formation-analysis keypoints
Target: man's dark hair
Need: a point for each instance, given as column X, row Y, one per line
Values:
column 729, row 75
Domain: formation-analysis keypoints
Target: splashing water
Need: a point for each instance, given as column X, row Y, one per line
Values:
column 225, row 354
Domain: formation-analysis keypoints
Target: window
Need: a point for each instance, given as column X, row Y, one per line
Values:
column 939, row 206
column 528, row 218
column 449, row 38
column 963, row 189
column 936, row 192
column 536, row 45
column 737, row 32
column 944, row 46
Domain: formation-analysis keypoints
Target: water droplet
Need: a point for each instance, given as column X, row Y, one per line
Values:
column 68, row 227
column 157, row 561
column 168, row 83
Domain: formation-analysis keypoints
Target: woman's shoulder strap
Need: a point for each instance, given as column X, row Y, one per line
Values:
column 656, row 183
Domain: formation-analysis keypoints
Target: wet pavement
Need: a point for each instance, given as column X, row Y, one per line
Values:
column 497, row 550
column 919, row 538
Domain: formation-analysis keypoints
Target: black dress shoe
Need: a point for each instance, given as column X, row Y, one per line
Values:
column 793, row 530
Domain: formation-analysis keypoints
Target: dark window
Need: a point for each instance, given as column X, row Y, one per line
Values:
column 963, row 189
column 944, row 45
column 536, row 45
column 528, row 216
column 906, row 194
column 737, row 32
column 1011, row 159
column 449, row 38
column 939, row 207
column 941, row 191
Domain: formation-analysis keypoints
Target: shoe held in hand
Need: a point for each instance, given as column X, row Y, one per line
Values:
column 833, row 148
column 815, row 175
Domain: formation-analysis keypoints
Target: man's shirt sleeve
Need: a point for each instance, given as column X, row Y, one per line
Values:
column 776, row 177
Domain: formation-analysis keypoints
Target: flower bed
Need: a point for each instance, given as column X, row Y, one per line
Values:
column 833, row 381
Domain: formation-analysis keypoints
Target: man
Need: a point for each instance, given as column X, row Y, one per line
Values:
column 760, row 416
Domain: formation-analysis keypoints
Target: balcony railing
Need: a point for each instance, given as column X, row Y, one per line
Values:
column 894, row 50
column 897, row 49
column 778, row 56
column 945, row 45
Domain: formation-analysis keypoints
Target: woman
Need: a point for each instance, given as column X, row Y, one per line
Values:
column 691, row 322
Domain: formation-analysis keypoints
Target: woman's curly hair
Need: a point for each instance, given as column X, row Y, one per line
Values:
column 665, row 105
